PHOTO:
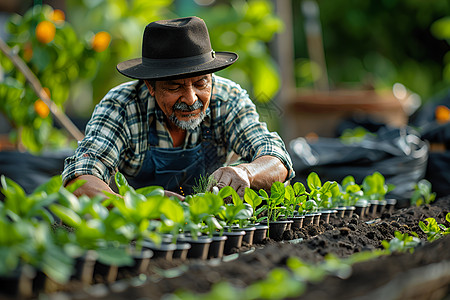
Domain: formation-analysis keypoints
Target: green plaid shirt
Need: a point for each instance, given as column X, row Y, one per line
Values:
column 117, row 134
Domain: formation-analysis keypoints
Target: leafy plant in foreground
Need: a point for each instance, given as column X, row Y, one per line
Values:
column 402, row 242
column 433, row 230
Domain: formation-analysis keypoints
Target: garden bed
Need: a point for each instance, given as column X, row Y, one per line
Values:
column 424, row 274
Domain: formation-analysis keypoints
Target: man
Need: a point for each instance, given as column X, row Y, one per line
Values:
column 177, row 122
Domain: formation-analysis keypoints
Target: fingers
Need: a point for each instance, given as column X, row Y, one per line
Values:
column 173, row 194
column 234, row 177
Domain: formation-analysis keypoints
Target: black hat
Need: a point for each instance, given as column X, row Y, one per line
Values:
column 177, row 48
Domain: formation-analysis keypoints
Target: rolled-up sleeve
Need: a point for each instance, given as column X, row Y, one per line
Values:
column 98, row 153
column 249, row 137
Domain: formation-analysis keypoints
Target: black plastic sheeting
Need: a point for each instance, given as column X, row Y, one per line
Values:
column 399, row 154
column 29, row 170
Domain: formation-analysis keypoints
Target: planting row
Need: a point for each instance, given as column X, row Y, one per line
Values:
column 53, row 236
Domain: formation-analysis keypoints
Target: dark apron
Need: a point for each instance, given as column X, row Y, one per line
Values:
column 176, row 169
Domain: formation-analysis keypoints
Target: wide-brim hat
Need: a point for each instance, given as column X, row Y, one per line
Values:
column 176, row 48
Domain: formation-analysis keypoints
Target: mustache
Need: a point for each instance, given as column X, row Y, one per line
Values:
column 187, row 108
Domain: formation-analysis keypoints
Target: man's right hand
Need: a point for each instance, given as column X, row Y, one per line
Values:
column 93, row 186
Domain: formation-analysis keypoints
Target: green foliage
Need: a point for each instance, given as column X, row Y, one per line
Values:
column 354, row 135
column 434, row 230
column 374, row 187
column 361, row 44
column 57, row 63
column 246, row 27
column 402, row 242
column 422, row 193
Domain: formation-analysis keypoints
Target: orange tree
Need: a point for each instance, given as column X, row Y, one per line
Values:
column 49, row 46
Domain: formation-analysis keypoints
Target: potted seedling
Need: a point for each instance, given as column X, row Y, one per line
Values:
column 235, row 216
column 294, row 197
column 375, row 189
column 274, row 209
column 255, row 201
column 352, row 197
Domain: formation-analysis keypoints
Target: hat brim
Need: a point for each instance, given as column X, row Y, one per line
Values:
column 134, row 68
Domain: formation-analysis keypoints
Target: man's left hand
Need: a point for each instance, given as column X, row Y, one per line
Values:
column 236, row 177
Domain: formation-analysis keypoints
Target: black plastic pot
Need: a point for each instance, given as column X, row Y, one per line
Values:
column 381, row 206
column 349, row 211
column 233, row 242
column 85, row 266
column 373, row 208
column 277, row 229
column 163, row 250
column 316, row 220
column 390, row 204
column 181, row 251
column 141, row 261
column 297, row 222
column 249, row 233
column 360, row 210
column 18, row 284
column 308, row 220
column 217, row 246
column 341, row 211
column 325, row 215
column 260, row 233
column 199, row 246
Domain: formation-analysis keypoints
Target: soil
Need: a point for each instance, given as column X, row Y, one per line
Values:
column 423, row 274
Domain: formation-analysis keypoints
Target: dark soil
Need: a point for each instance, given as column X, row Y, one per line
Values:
column 424, row 274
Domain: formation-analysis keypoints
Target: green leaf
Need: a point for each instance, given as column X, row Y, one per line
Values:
column 121, row 183
column 51, row 186
column 252, row 198
column 225, row 192
column 67, row 215
column 150, row 191
column 313, row 181
column 75, row 185
column 299, row 188
column 115, row 257
column 172, row 210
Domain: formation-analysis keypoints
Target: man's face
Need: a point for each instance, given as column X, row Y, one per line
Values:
column 183, row 101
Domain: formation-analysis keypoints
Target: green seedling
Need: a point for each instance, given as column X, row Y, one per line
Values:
column 236, row 212
column 273, row 204
column 18, row 205
column 402, row 242
column 422, row 193
column 433, row 230
column 374, row 187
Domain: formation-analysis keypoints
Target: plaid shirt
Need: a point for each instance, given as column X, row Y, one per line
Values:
column 117, row 134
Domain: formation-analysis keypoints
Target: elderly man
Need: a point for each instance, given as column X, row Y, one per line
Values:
column 177, row 122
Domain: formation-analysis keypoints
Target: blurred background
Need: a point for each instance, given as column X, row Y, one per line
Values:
column 308, row 65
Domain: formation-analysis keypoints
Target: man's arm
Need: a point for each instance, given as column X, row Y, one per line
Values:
column 95, row 186
column 92, row 187
column 259, row 174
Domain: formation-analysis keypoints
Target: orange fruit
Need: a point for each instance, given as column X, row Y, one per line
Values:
column 41, row 108
column 45, row 32
column 101, row 41
column 58, row 16
column 442, row 114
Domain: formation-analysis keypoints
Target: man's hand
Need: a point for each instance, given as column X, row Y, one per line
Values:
column 236, row 177
column 173, row 194
column 259, row 174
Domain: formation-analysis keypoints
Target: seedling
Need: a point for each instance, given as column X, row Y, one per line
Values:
column 402, row 242
column 422, row 193
column 236, row 212
column 273, row 204
column 254, row 200
column 433, row 230
column 375, row 188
